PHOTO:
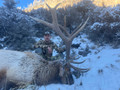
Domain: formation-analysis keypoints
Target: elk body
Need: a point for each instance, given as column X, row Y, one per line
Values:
column 20, row 66
column 26, row 67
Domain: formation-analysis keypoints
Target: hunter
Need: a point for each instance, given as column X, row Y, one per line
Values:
column 46, row 47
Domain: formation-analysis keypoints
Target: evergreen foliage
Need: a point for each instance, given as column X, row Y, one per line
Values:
column 10, row 4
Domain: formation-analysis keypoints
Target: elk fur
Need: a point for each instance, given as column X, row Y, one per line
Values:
column 27, row 67
column 2, row 78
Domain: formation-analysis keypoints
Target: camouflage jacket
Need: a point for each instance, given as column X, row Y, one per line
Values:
column 44, row 46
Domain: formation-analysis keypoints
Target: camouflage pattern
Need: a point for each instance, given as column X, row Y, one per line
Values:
column 44, row 46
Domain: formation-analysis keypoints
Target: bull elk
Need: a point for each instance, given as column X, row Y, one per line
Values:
column 21, row 68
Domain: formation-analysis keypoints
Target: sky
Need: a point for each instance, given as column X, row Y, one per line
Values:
column 22, row 3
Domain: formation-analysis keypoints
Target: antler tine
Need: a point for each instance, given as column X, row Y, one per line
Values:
column 74, row 58
column 63, row 28
column 77, row 62
column 57, row 5
column 42, row 21
column 65, row 21
column 75, row 34
column 79, row 69
column 48, row 6
column 76, row 28
column 54, row 7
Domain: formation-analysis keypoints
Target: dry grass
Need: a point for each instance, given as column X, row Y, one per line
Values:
column 118, row 55
column 112, row 66
column 93, row 47
column 117, row 61
column 98, row 57
column 100, row 71
column 82, row 40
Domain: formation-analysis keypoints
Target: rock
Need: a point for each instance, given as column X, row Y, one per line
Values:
column 1, row 46
column 84, row 52
column 75, row 45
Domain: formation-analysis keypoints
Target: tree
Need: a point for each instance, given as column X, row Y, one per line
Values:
column 16, row 28
column 10, row 4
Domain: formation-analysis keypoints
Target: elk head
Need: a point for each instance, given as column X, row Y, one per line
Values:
column 65, row 70
column 57, row 71
column 67, row 38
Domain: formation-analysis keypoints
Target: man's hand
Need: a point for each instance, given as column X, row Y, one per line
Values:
column 49, row 50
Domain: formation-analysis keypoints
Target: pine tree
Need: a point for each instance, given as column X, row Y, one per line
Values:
column 10, row 4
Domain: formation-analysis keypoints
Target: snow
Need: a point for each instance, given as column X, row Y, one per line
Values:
column 96, row 24
column 108, row 79
column 112, row 25
column 57, row 40
column 104, row 64
column 2, row 39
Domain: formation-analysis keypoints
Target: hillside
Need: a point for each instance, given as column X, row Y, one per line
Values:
column 65, row 3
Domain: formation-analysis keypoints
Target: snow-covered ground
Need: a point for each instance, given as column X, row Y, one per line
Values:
column 104, row 64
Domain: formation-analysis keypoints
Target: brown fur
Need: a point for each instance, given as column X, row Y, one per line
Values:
column 46, row 74
column 4, row 83
column 2, row 74
column 49, row 73
column 2, row 78
column 30, row 55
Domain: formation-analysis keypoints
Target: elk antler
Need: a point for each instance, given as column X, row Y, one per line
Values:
column 79, row 69
column 77, row 62
column 75, row 68
column 61, row 30
column 42, row 21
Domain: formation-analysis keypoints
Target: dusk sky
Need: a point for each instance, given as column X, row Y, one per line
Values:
column 22, row 3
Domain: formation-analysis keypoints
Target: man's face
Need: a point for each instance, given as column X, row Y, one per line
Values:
column 47, row 37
